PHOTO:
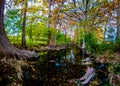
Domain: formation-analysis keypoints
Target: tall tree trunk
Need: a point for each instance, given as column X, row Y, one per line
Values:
column 49, row 15
column 6, row 49
column 4, row 42
column 24, row 24
column 118, row 21
column 53, row 36
column 105, row 29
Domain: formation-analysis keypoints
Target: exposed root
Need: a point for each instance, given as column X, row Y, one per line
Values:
column 12, row 70
column 14, row 52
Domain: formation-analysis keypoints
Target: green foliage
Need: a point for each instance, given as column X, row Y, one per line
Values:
column 13, row 22
column 13, row 26
column 93, row 46
column 73, row 14
column 103, row 47
column 106, row 46
column 60, row 38
column 91, row 42
column 117, row 43
column 37, row 33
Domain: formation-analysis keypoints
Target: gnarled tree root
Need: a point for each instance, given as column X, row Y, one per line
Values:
column 13, row 52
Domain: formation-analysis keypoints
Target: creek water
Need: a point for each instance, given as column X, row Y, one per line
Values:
column 54, row 68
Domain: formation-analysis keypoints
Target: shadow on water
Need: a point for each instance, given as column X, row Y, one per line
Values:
column 54, row 68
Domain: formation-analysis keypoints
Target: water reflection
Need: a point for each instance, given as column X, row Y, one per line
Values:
column 54, row 68
column 61, row 58
column 71, row 57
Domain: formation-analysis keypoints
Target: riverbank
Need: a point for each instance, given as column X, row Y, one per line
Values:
column 52, row 68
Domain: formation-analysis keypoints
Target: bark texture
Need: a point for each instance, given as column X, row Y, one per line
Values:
column 118, row 21
column 6, row 48
column 24, row 24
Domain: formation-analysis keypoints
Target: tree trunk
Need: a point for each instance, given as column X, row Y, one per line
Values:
column 104, row 34
column 49, row 15
column 4, row 42
column 6, row 49
column 24, row 24
column 118, row 21
column 55, row 21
